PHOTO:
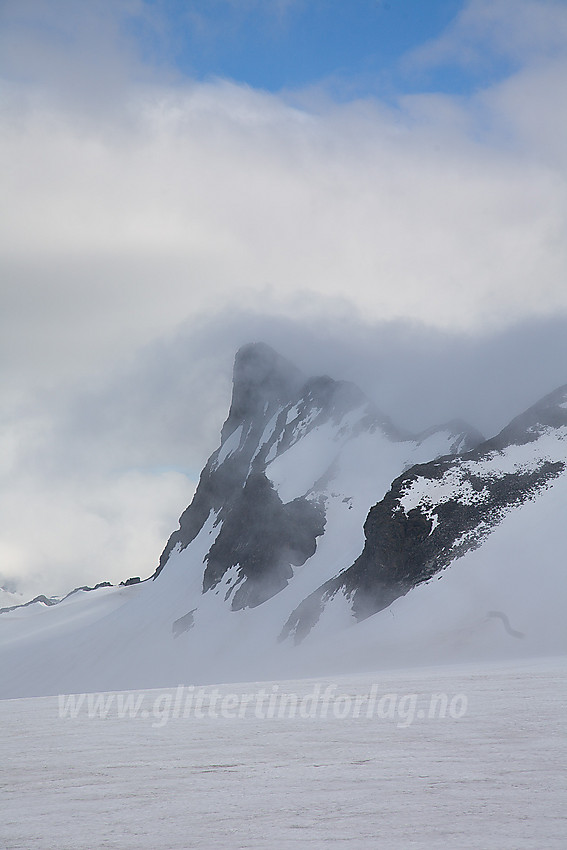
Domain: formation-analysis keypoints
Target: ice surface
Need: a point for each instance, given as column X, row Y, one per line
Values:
column 495, row 777
column 268, row 431
column 230, row 445
column 294, row 472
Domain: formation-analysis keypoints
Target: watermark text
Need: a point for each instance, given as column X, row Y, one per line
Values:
column 323, row 702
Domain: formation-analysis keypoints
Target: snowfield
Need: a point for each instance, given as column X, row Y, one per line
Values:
column 492, row 777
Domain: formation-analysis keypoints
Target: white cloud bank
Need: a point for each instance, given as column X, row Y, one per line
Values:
column 133, row 202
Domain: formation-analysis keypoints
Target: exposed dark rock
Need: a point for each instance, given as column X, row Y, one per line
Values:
column 265, row 538
column 183, row 624
column 55, row 600
column 87, row 588
column 45, row 600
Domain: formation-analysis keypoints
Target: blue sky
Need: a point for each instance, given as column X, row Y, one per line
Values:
column 355, row 47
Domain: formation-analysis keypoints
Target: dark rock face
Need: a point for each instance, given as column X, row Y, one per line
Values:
column 55, row 600
column 265, row 538
column 183, row 624
column 406, row 546
column 45, row 600
column 403, row 550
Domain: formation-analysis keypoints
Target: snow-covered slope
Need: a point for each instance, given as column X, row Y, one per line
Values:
column 273, row 549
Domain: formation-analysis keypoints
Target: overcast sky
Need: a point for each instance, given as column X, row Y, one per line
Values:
column 377, row 189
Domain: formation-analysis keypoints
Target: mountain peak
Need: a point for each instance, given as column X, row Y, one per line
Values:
column 549, row 412
column 261, row 377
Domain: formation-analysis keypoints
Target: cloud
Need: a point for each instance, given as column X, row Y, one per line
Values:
column 151, row 224
column 487, row 31
column 115, row 232
column 59, row 534
column 80, row 52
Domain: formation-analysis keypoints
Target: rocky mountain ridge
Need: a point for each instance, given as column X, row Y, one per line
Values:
column 436, row 512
